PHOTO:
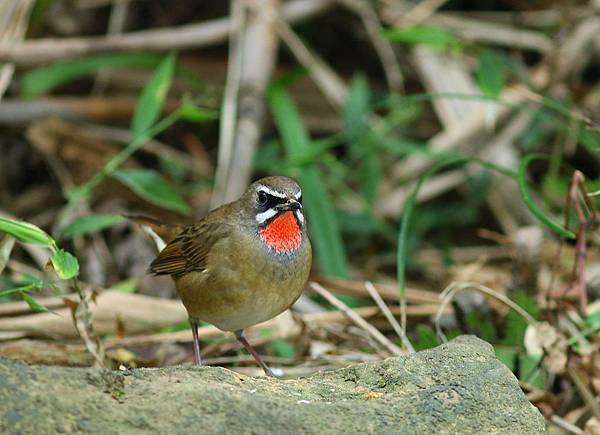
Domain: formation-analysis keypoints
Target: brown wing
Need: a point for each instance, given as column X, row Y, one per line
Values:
column 189, row 250
column 164, row 231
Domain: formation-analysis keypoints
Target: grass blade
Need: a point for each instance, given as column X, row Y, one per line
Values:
column 537, row 212
column 436, row 37
column 324, row 228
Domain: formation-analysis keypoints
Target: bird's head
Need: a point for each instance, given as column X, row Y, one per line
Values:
column 278, row 213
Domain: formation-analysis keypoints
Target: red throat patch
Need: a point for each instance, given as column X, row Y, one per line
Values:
column 283, row 233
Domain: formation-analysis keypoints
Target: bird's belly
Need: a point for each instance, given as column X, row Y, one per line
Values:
column 232, row 304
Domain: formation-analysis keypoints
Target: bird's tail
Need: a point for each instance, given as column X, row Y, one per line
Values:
column 162, row 234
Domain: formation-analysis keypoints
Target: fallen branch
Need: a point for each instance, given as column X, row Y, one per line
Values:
column 195, row 35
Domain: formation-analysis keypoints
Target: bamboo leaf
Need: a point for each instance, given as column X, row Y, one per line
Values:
column 490, row 74
column 356, row 108
column 194, row 113
column 153, row 97
column 26, row 232
column 149, row 185
column 89, row 224
column 33, row 304
column 433, row 36
column 43, row 80
column 35, row 285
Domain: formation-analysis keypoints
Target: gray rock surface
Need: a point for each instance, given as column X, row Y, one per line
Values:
column 459, row 387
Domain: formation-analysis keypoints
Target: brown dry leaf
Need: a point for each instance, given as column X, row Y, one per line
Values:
column 574, row 415
column 120, row 327
column 319, row 348
column 596, row 384
column 593, row 368
column 544, row 339
column 592, row 426
column 82, row 154
column 494, row 277
column 6, row 246
column 71, row 305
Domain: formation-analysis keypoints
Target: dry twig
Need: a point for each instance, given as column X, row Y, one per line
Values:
column 357, row 319
column 448, row 294
column 253, row 51
column 389, row 316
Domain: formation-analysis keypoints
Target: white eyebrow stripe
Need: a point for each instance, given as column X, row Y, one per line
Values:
column 261, row 218
column 298, row 195
column 270, row 192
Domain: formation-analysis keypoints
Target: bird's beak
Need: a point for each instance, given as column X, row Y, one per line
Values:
column 290, row 205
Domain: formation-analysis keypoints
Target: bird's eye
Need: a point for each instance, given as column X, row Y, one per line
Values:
column 262, row 199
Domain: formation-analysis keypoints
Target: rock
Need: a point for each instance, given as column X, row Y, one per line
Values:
column 459, row 387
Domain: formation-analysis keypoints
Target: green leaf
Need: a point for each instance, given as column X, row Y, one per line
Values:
column 36, row 284
column 324, row 228
column 589, row 139
column 33, row 304
column 407, row 213
column 490, row 74
column 529, row 371
column 429, row 35
column 26, row 232
column 508, row 357
column 126, row 286
column 65, row 265
column 153, row 97
column 514, row 331
column 149, row 185
column 283, row 348
column 426, row 338
column 363, row 148
column 369, row 174
column 356, row 108
column 89, row 224
column 45, row 79
column 537, row 212
column 193, row 113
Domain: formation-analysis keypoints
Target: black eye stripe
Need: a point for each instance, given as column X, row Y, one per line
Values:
column 265, row 200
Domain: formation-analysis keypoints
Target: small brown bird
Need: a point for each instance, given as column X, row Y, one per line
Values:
column 244, row 263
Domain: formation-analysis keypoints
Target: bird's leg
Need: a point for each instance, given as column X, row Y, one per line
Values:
column 196, row 342
column 239, row 334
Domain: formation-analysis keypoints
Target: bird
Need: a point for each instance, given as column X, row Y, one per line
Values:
column 245, row 262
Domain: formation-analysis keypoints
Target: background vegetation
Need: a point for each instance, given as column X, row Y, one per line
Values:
column 448, row 153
